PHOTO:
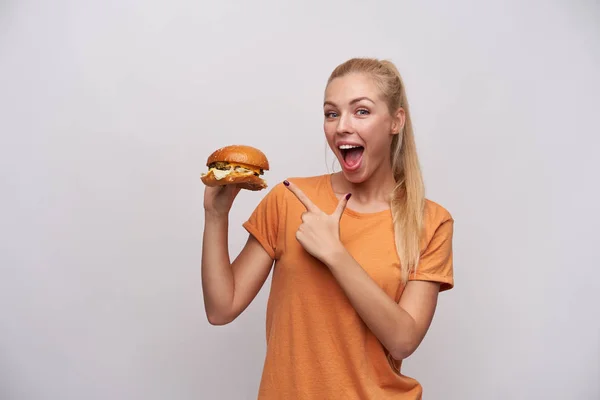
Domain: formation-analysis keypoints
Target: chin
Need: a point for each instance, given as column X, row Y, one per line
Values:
column 353, row 177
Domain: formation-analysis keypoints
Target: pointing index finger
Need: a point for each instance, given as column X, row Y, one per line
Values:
column 301, row 196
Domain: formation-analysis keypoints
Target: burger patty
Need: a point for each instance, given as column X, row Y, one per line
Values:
column 225, row 166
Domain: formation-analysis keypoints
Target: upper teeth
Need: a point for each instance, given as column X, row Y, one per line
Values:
column 348, row 146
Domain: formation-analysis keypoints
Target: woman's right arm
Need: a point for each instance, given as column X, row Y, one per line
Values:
column 228, row 287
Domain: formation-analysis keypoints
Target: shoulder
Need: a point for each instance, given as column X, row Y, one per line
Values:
column 436, row 214
column 437, row 222
column 307, row 184
column 308, row 181
column 313, row 186
column 316, row 188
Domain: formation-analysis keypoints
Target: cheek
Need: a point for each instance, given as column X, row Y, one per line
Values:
column 329, row 132
column 328, row 126
column 377, row 137
column 372, row 131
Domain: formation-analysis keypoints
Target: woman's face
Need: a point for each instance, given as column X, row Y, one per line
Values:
column 358, row 126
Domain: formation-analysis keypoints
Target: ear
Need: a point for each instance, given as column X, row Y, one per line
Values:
column 399, row 121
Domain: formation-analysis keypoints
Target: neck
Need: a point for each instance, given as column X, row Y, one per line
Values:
column 375, row 190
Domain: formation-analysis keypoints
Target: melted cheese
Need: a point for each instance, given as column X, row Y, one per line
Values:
column 220, row 174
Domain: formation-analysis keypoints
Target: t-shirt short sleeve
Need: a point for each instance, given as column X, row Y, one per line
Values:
column 436, row 262
column 264, row 222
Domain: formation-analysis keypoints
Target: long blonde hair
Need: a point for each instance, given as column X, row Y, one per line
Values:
column 408, row 196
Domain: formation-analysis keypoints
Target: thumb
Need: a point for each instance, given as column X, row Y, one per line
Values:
column 230, row 191
column 235, row 191
column 342, row 206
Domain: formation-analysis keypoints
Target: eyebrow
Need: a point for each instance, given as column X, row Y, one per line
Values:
column 351, row 102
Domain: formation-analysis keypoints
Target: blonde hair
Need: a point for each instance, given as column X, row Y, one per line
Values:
column 408, row 197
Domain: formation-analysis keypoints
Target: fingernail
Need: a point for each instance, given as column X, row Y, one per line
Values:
column 348, row 196
column 286, row 183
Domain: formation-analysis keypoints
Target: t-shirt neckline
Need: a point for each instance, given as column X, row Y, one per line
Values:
column 349, row 211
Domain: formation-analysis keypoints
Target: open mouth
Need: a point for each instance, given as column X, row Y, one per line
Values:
column 351, row 155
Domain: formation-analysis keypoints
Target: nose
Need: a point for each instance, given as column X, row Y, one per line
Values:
column 344, row 125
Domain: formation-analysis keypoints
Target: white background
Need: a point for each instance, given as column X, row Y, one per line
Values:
column 109, row 109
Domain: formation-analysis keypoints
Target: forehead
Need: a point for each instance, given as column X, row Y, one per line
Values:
column 348, row 87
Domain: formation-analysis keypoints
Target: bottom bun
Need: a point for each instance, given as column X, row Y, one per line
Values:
column 244, row 181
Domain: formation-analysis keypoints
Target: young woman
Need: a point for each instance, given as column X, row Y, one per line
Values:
column 360, row 255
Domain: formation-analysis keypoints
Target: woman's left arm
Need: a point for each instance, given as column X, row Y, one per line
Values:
column 400, row 327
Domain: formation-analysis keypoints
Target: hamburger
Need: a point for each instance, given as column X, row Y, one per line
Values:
column 236, row 165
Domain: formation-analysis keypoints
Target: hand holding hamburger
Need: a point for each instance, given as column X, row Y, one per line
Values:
column 231, row 169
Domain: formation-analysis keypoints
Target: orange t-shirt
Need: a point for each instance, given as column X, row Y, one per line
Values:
column 318, row 347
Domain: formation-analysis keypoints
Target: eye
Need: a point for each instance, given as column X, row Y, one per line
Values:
column 362, row 111
column 330, row 114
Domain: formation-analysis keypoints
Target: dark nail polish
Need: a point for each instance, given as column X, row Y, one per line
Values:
column 286, row 183
column 348, row 196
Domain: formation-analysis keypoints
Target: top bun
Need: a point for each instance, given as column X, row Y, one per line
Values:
column 240, row 154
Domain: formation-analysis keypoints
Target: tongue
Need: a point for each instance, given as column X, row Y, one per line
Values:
column 353, row 156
